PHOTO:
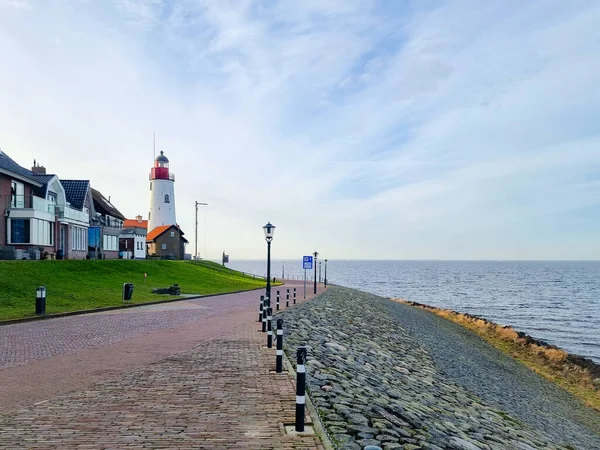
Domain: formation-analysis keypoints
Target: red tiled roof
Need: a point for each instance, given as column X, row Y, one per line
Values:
column 157, row 232
column 133, row 223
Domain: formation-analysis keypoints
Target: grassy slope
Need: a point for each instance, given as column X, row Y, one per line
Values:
column 78, row 285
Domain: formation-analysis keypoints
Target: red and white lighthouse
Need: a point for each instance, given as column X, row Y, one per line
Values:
column 162, row 194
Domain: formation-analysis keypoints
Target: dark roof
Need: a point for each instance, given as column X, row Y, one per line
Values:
column 8, row 165
column 43, row 189
column 162, row 157
column 75, row 191
column 103, row 206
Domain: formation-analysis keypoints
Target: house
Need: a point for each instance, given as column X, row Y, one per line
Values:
column 106, row 225
column 27, row 225
column 132, row 240
column 70, row 203
column 167, row 242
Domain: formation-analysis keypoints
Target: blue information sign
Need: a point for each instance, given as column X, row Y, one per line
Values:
column 307, row 262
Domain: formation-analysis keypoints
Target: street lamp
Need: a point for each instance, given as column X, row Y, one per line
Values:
column 325, row 273
column 283, row 270
column 319, row 271
column 269, row 231
column 315, row 254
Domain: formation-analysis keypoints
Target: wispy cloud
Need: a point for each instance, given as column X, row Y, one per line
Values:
column 435, row 129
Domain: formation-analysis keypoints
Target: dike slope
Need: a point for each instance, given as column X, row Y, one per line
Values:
column 383, row 373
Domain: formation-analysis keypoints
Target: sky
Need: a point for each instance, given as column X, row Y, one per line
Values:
column 362, row 129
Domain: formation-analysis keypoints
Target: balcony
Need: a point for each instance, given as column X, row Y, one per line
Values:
column 66, row 212
column 29, row 202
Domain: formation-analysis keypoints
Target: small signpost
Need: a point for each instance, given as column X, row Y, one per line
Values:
column 307, row 264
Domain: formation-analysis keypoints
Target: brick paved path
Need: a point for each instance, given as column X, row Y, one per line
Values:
column 213, row 391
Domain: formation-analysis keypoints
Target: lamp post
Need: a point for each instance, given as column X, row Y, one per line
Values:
column 319, row 271
column 325, row 273
column 315, row 254
column 269, row 231
column 283, row 271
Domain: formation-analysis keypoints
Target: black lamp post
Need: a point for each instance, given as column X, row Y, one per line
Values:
column 315, row 254
column 319, row 271
column 269, row 231
column 325, row 273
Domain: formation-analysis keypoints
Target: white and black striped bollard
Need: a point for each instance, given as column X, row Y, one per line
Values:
column 260, row 312
column 277, row 301
column 287, row 299
column 300, row 388
column 264, row 317
column 269, row 328
column 294, row 296
column 279, row 352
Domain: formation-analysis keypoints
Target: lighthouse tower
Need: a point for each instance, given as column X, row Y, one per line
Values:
column 162, row 194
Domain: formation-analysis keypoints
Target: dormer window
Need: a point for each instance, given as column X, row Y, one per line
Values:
column 167, row 200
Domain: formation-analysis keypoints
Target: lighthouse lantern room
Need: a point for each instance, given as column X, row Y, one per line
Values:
column 162, row 194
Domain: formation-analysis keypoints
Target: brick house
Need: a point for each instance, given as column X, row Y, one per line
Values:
column 27, row 221
column 167, row 242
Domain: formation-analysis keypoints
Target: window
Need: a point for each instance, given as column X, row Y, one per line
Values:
column 111, row 243
column 149, row 215
column 17, row 191
column 151, row 185
column 20, row 231
column 167, row 200
column 42, row 232
column 172, row 234
column 164, row 246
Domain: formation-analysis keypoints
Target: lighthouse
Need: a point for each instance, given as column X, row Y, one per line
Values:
column 162, row 194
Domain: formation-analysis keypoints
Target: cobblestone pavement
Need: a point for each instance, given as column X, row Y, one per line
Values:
column 201, row 381
column 24, row 342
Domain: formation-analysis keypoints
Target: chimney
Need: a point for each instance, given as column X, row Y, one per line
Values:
column 38, row 169
column 139, row 219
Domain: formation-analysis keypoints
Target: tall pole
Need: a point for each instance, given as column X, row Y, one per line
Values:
column 283, row 271
column 319, row 271
column 315, row 254
column 325, row 273
column 269, row 271
column 197, row 203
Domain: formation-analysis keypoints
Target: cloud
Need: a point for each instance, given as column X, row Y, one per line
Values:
column 366, row 130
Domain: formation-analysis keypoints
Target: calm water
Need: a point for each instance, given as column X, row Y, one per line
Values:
column 558, row 302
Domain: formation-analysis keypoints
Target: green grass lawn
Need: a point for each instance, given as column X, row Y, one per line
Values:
column 79, row 285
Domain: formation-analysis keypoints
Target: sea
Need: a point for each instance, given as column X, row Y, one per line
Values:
column 557, row 302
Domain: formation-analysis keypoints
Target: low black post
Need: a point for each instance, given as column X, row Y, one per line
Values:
column 300, row 388
column 260, row 312
column 40, row 301
column 264, row 317
column 287, row 298
column 277, row 301
column 294, row 296
column 279, row 352
column 269, row 328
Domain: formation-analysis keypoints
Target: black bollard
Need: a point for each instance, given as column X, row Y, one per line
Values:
column 287, row 299
column 40, row 301
column 264, row 317
column 294, row 296
column 277, row 301
column 279, row 352
column 300, row 388
column 260, row 313
column 269, row 328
